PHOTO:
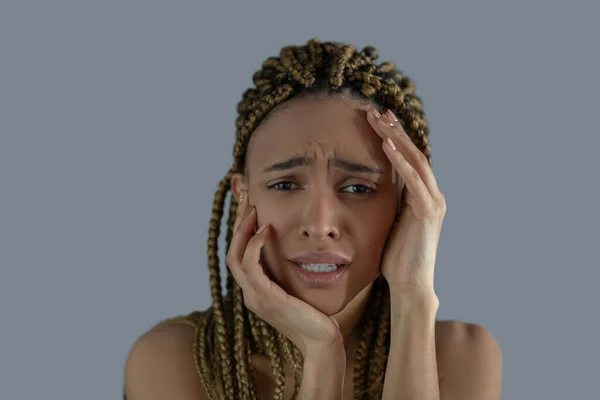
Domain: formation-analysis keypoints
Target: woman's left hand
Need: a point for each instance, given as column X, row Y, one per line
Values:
column 409, row 256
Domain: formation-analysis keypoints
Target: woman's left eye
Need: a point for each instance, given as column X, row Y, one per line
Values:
column 281, row 186
column 360, row 189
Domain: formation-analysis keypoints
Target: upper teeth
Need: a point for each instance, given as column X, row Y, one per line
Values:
column 319, row 267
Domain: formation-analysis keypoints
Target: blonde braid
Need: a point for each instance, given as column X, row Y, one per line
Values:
column 274, row 357
column 379, row 352
column 366, row 343
column 230, row 333
column 224, row 354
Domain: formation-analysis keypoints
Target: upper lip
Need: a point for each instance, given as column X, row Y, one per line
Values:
column 321, row 258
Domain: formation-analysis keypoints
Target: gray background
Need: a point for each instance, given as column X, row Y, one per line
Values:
column 117, row 122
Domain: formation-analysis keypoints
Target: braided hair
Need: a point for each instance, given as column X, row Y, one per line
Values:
column 228, row 333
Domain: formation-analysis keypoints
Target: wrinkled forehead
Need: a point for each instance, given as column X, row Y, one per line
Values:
column 314, row 127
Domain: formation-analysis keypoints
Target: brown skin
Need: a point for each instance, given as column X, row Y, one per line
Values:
column 321, row 208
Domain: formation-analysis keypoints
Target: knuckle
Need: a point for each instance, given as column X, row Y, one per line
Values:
column 250, row 306
column 414, row 175
column 250, row 302
column 441, row 201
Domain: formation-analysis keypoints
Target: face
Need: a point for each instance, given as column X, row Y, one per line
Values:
column 337, row 195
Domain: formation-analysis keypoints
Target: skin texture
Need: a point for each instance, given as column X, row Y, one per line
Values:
column 320, row 207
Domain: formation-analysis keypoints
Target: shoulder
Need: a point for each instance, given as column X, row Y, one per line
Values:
column 469, row 361
column 161, row 363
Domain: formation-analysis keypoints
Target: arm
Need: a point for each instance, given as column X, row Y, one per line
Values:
column 323, row 374
column 470, row 356
column 411, row 372
column 160, row 366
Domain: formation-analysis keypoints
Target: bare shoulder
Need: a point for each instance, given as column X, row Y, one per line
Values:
column 469, row 361
column 161, row 365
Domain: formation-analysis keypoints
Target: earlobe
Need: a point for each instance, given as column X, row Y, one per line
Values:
column 238, row 184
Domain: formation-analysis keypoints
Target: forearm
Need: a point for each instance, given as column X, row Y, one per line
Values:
column 323, row 374
column 411, row 372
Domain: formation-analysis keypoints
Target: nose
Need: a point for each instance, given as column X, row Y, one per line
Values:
column 319, row 218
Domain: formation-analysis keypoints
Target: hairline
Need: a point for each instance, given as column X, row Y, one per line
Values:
column 346, row 95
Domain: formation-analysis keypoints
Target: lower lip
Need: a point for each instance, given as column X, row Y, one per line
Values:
column 321, row 279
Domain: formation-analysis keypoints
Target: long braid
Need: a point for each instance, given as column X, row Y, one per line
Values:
column 203, row 352
column 224, row 353
column 366, row 343
column 379, row 353
column 230, row 333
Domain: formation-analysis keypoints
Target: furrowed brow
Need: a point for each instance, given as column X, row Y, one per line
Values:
column 298, row 162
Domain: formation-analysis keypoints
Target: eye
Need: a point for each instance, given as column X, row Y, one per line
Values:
column 359, row 189
column 281, row 186
column 355, row 189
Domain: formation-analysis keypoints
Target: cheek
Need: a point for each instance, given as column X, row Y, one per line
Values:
column 273, row 216
column 373, row 230
column 278, row 225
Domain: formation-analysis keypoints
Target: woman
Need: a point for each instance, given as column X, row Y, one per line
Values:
column 334, row 223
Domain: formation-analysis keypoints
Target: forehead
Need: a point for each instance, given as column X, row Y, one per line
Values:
column 305, row 126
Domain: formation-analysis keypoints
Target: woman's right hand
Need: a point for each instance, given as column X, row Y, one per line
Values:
column 309, row 329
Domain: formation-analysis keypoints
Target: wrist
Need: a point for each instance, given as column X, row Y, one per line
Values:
column 333, row 345
column 319, row 363
column 332, row 353
column 422, row 301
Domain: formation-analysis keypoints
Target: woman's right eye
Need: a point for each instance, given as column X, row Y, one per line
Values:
column 281, row 186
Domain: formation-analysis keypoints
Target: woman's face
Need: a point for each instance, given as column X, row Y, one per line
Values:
column 318, row 176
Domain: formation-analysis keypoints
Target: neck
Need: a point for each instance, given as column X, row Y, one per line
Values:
column 349, row 318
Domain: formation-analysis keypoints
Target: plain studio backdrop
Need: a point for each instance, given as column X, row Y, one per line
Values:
column 117, row 122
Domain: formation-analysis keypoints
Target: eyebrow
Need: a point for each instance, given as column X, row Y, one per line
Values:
column 296, row 162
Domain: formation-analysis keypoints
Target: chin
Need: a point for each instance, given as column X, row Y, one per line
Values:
column 329, row 307
column 329, row 298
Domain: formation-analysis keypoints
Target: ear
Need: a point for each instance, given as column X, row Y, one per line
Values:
column 239, row 183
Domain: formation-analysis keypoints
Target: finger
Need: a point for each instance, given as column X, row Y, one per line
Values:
column 251, row 267
column 241, row 211
column 386, row 127
column 415, row 156
column 411, row 178
column 238, row 244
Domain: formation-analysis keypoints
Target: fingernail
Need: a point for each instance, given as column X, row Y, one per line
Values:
column 242, row 194
column 391, row 144
column 386, row 120
column 375, row 113
column 391, row 114
column 262, row 228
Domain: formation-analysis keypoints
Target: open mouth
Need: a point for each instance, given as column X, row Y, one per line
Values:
column 320, row 267
column 320, row 275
